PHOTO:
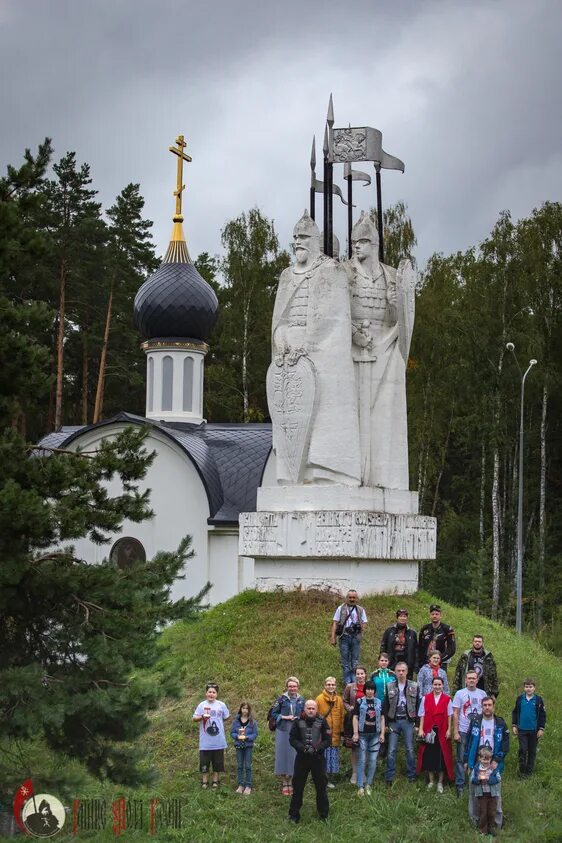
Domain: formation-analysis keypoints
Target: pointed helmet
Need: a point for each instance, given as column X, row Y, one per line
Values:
column 306, row 225
column 365, row 229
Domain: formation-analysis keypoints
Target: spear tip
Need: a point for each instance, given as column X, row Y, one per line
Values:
column 326, row 146
column 313, row 154
column 330, row 117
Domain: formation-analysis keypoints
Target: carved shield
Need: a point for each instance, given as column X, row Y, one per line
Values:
column 291, row 394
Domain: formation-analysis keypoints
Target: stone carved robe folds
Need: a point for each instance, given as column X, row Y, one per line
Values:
column 313, row 400
column 382, row 314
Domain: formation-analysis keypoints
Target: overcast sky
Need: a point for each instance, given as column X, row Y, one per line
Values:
column 466, row 92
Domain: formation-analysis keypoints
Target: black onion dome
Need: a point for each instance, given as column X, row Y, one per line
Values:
column 176, row 302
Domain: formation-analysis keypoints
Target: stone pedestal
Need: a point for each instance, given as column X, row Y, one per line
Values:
column 336, row 537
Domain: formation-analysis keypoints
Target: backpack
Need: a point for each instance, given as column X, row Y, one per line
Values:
column 272, row 718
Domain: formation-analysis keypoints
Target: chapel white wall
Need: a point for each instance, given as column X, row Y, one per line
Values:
column 179, row 501
column 228, row 572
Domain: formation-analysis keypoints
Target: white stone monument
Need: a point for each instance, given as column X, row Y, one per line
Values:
column 341, row 513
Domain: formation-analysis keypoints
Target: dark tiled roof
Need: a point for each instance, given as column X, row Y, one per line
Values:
column 54, row 440
column 176, row 302
column 229, row 458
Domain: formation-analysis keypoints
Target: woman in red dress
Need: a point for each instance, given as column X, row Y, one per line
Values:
column 435, row 755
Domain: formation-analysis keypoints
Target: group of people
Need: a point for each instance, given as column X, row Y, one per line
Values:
column 374, row 712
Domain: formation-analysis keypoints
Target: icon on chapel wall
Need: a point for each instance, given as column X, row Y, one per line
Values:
column 126, row 552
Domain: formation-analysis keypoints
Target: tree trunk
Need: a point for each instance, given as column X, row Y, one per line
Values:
column 98, row 408
column 482, row 492
column 512, row 550
column 423, row 447
column 443, row 462
column 542, row 509
column 85, row 379
column 495, row 535
column 245, row 397
column 60, row 348
column 496, row 511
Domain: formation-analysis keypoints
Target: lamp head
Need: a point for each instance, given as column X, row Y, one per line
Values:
column 533, row 362
column 510, row 346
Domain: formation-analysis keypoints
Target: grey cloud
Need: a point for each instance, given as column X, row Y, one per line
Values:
column 465, row 93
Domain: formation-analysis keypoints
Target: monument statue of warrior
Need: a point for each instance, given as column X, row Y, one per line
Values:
column 310, row 385
column 382, row 315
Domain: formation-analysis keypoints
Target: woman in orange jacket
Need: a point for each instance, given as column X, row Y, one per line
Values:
column 330, row 706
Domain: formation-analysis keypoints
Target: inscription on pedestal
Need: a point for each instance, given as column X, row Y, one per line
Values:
column 337, row 535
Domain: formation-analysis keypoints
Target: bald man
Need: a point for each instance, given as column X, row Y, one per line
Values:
column 309, row 736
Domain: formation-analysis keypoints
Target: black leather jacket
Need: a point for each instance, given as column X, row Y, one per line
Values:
column 312, row 736
column 411, row 654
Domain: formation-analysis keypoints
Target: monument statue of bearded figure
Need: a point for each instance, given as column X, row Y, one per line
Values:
column 382, row 315
column 310, row 385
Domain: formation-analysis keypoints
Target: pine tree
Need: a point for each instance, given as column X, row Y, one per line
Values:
column 25, row 316
column 76, row 232
column 120, row 380
column 74, row 637
column 241, row 342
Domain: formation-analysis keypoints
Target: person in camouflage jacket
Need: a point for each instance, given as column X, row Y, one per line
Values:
column 482, row 661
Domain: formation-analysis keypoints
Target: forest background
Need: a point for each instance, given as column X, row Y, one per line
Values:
column 69, row 354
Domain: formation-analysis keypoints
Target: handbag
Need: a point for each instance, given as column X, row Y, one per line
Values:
column 347, row 734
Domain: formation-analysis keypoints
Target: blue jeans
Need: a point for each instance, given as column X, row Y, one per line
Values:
column 406, row 728
column 459, row 765
column 350, row 646
column 369, row 746
column 244, row 762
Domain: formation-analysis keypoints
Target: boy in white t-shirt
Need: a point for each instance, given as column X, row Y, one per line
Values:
column 466, row 703
column 211, row 714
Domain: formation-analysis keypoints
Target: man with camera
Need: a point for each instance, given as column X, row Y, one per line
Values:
column 348, row 623
column 309, row 736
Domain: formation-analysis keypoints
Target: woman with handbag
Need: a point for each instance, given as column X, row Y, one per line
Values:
column 330, row 706
column 434, row 755
column 286, row 710
column 353, row 692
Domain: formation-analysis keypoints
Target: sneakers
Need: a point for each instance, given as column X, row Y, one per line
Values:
column 239, row 789
column 430, row 785
column 331, row 786
column 368, row 789
column 285, row 790
column 439, row 787
column 460, row 792
column 353, row 779
column 360, row 791
column 247, row 791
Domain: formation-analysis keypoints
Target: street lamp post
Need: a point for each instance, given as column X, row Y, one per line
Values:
column 519, row 574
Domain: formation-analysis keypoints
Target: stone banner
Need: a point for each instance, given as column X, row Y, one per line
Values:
column 337, row 534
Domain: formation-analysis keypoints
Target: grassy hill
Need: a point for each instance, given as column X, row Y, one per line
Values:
column 249, row 645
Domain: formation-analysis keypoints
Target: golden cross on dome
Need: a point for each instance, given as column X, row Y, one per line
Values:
column 182, row 156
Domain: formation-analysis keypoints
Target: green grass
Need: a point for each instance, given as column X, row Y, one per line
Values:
column 249, row 645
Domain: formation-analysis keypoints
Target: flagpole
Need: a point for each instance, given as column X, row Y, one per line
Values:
column 326, row 190
column 347, row 175
column 379, row 211
column 313, row 179
column 330, row 209
column 330, row 122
